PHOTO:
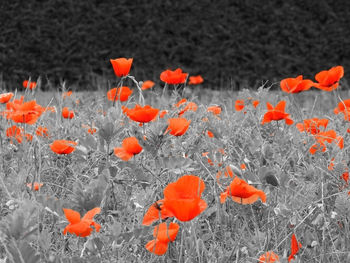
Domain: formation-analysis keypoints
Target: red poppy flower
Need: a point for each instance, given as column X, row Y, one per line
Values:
column 81, row 227
column 242, row 193
column 36, row 187
column 156, row 212
column 63, row 146
column 42, row 131
column 147, row 84
column 67, row 114
column 326, row 136
column 121, row 66
column 27, row 112
column 141, row 114
column 15, row 132
column 195, row 80
column 122, row 94
column 183, row 197
column 216, row 110
column 163, row 236
column 328, row 80
column 294, row 247
column 180, row 102
column 173, row 77
column 5, row 97
column 210, row 134
column 191, row 106
column 130, row 147
column 255, row 103
column 67, row 94
column 178, row 126
column 31, row 85
column 312, row 126
column 269, row 257
column 277, row 113
column 239, row 105
column 344, row 107
column 162, row 113
column 296, row 85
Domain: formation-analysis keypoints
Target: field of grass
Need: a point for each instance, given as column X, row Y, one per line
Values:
column 281, row 196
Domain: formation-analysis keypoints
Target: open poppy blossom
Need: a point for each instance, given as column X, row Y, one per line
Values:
column 163, row 236
column 343, row 107
column 180, row 102
column 5, row 97
column 269, row 257
column 296, row 85
column 173, row 77
column 191, row 106
column 81, row 227
column 42, row 131
column 239, row 105
column 36, row 186
column 63, row 146
column 27, row 112
column 121, row 94
column 295, row 245
column 178, row 126
column 323, row 137
column 163, row 113
column 15, row 132
column 130, row 147
column 31, row 85
column 195, row 80
column 148, row 84
column 277, row 113
column 67, row 114
column 328, row 80
column 156, row 212
column 67, row 94
column 242, row 193
column 183, row 197
column 312, row 126
column 141, row 114
column 216, row 110
column 121, row 66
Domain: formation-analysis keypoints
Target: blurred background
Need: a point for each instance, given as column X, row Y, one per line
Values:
column 232, row 44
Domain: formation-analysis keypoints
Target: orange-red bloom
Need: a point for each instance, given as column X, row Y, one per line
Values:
column 163, row 236
column 239, row 105
column 20, row 112
column 344, row 107
column 67, row 94
column 147, row 84
column 42, row 131
column 296, row 85
column 141, row 114
column 328, row 80
column 81, row 227
column 323, row 137
column 183, row 197
column 5, row 97
column 122, row 94
column 216, row 110
column 269, row 257
column 67, row 114
column 178, row 126
column 162, row 113
column 277, row 113
column 173, row 77
column 121, row 66
column 63, row 146
column 312, row 126
column 130, row 147
column 31, row 85
column 242, row 193
column 15, row 132
column 195, row 80
column 294, row 247
column 36, row 187
column 191, row 106
column 156, row 212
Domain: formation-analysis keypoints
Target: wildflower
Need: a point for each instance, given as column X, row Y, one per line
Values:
column 147, row 84
column 141, row 114
column 183, row 197
column 255, row 103
column 63, row 146
column 31, row 85
column 269, row 257
column 121, row 66
column 173, row 77
column 277, row 113
column 121, row 94
column 67, row 94
column 5, row 97
column 243, row 167
column 81, row 227
column 296, row 85
column 156, row 212
column 216, row 110
column 344, row 107
column 239, row 105
column 326, row 136
column 162, row 113
column 328, row 80
column 163, row 236
column 242, row 193
column 180, row 102
column 312, row 125
column 178, row 126
column 130, row 147
column 27, row 112
column 195, row 80
column 191, row 106
column 15, row 132
column 42, row 131
column 210, row 134
column 67, row 114
column 294, row 247
column 36, row 187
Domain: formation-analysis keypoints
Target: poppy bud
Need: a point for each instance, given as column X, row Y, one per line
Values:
column 270, row 178
column 267, row 151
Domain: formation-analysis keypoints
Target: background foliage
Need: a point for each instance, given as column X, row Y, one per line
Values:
column 231, row 43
